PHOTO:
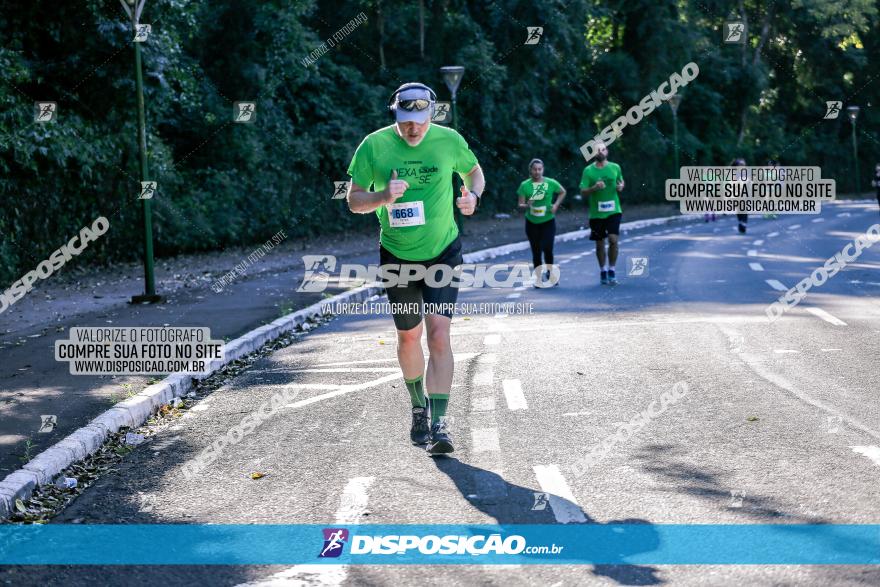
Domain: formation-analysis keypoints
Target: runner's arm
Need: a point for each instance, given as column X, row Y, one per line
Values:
column 474, row 180
column 361, row 201
column 521, row 200
column 560, row 199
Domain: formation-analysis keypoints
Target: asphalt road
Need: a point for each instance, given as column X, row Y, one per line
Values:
column 780, row 422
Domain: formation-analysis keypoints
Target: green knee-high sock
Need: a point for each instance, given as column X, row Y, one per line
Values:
column 438, row 406
column 416, row 392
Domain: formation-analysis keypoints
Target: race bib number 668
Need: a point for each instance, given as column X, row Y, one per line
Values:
column 406, row 214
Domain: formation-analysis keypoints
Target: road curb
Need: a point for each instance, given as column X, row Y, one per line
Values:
column 134, row 411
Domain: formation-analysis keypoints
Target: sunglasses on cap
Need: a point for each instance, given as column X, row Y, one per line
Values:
column 410, row 105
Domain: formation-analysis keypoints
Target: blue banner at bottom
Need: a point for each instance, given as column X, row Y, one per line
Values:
column 576, row 544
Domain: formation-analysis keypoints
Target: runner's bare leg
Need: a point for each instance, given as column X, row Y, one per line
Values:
column 438, row 379
column 409, row 352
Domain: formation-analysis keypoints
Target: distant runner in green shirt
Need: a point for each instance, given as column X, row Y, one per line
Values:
column 403, row 173
column 601, row 182
column 536, row 196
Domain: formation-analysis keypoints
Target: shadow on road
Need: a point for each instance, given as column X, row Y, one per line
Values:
column 513, row 504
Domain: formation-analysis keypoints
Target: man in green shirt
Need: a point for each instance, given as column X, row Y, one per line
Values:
column 403, row 173
column 601, row 182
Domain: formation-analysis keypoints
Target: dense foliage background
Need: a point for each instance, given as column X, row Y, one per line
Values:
column 222, row 183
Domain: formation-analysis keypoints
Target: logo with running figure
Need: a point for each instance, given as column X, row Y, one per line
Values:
column 317, row 275
column 638, row 267
column 45, row 111
column 735, row 32
column 539, row 192
column 832, row 109
column 442, row 112
column 533, row 35
column 244, row 112
column 542, row 500
column 334, row 542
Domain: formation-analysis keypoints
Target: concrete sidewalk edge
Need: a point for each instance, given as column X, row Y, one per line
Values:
column 133, row 412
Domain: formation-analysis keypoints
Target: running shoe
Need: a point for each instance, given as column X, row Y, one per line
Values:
column 612, row 278
column 742, row 228
column 440, row 442
column 420, row 432
column 603, row 278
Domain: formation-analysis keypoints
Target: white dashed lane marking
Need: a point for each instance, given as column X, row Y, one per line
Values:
column 777, row 285
column 756, row 267
column 772, row 234
column 820, row 313
column 752, row 253
column 513, row 393
column 818, row 220
column 758, row 242
column 485, row 440
column 565, row 507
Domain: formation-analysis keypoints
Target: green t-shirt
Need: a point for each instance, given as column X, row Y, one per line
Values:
column 605, row 202
column 420, row 224
column 539, row 197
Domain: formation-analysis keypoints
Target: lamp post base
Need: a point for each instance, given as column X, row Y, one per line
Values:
column 146, row 299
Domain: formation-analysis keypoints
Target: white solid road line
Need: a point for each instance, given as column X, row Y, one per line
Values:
column 872, row 452
column 492, row 339
column 343, row 389
column 565, row 507
column 513, row 393
column 777, row 285
column 820, row 313
column 352, row 506
column 756, row 267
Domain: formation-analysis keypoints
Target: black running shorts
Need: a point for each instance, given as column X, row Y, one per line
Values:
column 411, row 297
column 600, row 228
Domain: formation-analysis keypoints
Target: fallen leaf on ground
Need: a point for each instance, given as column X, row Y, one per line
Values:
column 752, row 419
column 257, row 475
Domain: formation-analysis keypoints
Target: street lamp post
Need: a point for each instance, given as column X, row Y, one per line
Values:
column 674, row 101
column 133, row 9
column 452, row 75
column 853, row 113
